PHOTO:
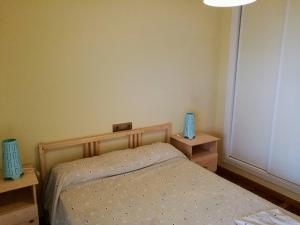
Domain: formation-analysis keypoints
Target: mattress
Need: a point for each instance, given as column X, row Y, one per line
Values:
column 151, row 185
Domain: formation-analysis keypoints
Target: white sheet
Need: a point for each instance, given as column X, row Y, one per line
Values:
column 270, row 217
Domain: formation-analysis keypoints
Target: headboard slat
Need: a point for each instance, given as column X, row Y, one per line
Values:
column 97, row 148
column 131, row 141
column 139, row 139
column 86, row 150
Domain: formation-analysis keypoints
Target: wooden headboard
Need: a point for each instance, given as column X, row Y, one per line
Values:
column 91, row 145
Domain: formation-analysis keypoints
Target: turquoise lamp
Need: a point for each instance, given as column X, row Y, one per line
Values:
column 11, row 161
column 189, row 126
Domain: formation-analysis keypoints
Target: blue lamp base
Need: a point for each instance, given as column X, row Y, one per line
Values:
column 189, row 126
column 12, row 165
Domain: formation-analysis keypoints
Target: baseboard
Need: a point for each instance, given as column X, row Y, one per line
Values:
column 276, row 198
column 261, row 181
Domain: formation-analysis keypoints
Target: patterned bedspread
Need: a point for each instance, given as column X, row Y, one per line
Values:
column 150, row 185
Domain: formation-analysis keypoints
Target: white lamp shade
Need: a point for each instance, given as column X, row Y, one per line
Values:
column 227, row 3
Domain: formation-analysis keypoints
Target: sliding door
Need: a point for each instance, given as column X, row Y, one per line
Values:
column 255, row 87
column 265, row 124
column 285, row 147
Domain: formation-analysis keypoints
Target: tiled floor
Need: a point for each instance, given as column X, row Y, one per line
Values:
column 272, row 196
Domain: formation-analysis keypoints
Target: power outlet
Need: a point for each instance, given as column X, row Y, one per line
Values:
column 122, row 126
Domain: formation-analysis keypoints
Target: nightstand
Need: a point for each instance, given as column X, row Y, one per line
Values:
column 201, row 150
column 18, row 201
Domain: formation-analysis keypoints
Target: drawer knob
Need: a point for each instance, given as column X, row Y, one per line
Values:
column 31, row 221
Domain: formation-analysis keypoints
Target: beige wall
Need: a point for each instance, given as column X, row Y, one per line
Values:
column 76, row 67
column 224, row 45
column 3, row 108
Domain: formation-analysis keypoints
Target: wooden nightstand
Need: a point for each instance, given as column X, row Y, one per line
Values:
column 18, row 201
column 201, row 150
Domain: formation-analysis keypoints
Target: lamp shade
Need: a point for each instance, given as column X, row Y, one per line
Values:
column 189, row 126
column 12, row 165
column 227, row 3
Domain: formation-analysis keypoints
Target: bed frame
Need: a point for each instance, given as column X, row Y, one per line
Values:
column 92, row 144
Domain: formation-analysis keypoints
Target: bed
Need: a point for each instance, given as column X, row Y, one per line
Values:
column 142, row 185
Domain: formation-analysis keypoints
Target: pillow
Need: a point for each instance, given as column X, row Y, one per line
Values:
column 109, row 164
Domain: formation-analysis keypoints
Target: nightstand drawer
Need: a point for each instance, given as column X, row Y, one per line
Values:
column 209, row 161
column 212, row 166
column 25, row 216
